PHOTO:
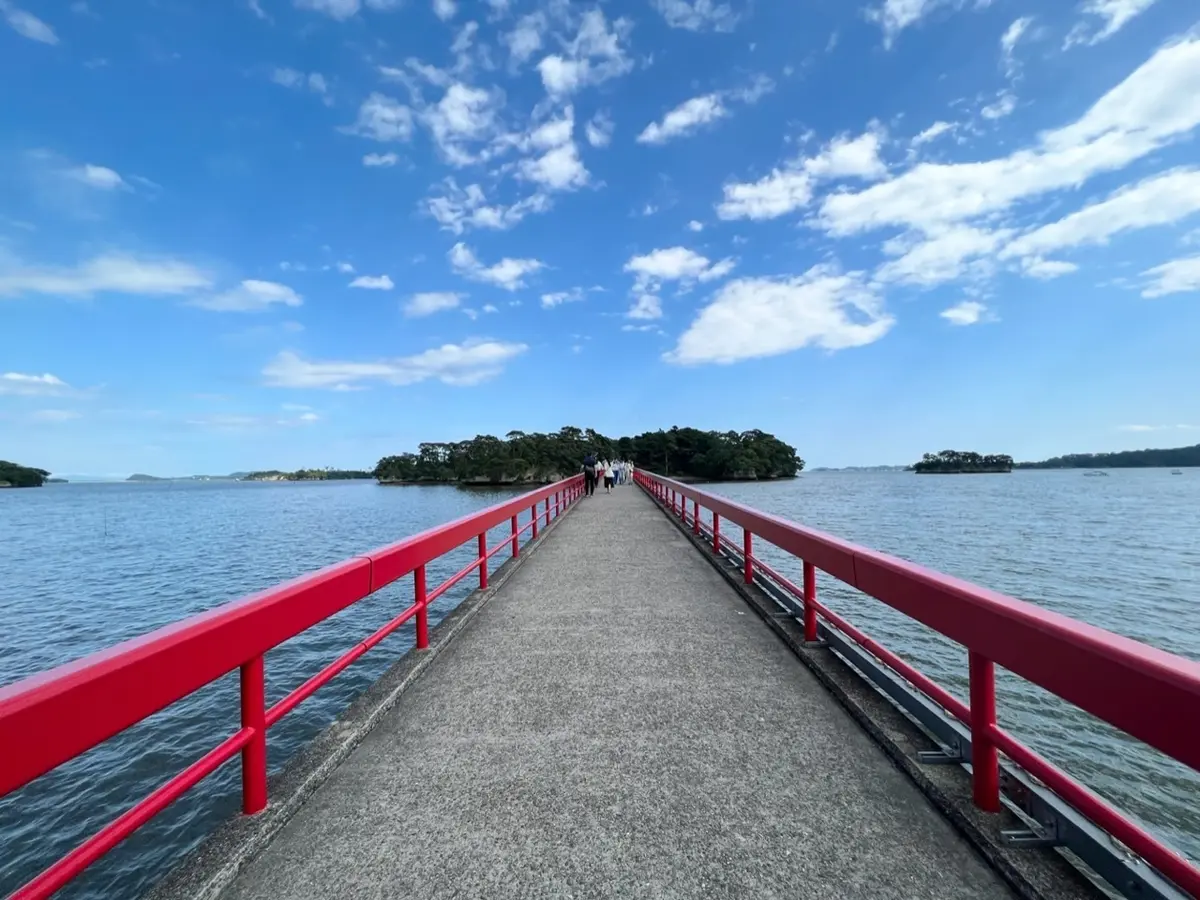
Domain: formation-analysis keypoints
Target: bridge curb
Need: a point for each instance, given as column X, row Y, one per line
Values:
column 1033, row 874
column 205, row 872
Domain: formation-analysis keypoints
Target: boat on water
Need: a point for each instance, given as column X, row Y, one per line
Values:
column 1176, row 471
column 1095, row 474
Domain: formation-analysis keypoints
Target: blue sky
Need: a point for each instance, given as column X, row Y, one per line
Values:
column 282, row 233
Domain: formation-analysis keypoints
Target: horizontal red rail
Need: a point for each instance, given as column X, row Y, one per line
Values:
column 1147, row 693
column 56, row 715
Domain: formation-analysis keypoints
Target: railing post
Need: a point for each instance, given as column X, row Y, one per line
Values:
column 483, row 560
column 422, row 608
column 716, row 533
column 556, row 493
column 547, row 511
column 695, row 517
column 254, row 754
column 985, row 763
column 810, row 601
column 747, row 544
column 533, row 517
column 515, row 543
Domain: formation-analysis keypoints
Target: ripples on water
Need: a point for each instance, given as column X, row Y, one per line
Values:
column 1122, row 553
column 89, row 565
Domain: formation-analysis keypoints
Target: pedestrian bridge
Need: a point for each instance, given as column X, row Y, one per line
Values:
column 636, row 704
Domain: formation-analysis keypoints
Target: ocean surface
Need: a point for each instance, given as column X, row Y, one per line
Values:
column 88, row 565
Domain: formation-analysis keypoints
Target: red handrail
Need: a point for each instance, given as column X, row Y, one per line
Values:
column 54, row 716
column 1147, row 693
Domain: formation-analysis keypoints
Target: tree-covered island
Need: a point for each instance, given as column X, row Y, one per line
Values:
column 963, row 462
column 1174, row 457
column 308, row 475
column 13, row 475
column 533, row 458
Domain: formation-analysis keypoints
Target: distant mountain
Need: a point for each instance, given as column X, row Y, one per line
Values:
column 1126, row 459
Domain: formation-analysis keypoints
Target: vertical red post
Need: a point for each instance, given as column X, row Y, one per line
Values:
column 985, row 762
column 695, row 517
column 483, row 560
column 254, row 754
column 810, row 602
column 556, row 504
column 533, row 517
column 547, row 510
column 716, row 533
column 422, row 608
column 516, row 547
column 747, row 547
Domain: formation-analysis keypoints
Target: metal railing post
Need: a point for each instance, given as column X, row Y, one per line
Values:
column 810, row 601
column 747, row 544
column 515, row 544
column 985, row 762
column 422, row 604
column 533, row 517
column 483, row 548
column 695, row 517
column 254, row 754
column 716, row 533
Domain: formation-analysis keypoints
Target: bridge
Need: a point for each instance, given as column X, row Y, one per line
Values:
column 635, row 703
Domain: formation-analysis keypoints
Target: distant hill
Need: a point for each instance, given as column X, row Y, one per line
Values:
column 1178, row 457
column 138, row 476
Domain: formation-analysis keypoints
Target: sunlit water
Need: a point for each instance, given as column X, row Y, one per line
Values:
column 86, row 566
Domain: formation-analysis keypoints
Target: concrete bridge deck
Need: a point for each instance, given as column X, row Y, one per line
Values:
column 616, row 722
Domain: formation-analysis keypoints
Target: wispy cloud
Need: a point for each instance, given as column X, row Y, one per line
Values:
column 455, row 364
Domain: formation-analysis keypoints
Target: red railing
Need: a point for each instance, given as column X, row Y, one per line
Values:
column 1147, row 693
column 50, row 718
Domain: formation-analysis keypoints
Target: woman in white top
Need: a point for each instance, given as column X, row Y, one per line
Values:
column 610, row 474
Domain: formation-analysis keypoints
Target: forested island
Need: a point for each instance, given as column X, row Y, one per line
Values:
column 963, row 462
column 13, row 475
column 533, row 458
column 1177, row 457
column 308, row 475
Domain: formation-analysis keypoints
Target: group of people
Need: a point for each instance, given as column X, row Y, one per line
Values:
column 614, row 472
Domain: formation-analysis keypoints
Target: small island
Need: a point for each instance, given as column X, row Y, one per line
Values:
column 308, row 475
column 13, row 475
column 529, row 458
column 1175, row 458
column 963, row 462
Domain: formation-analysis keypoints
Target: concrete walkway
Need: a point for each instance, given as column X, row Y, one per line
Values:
column 617, row 723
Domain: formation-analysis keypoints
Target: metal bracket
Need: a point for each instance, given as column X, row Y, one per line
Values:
column 1045, row 834
column 943, row 756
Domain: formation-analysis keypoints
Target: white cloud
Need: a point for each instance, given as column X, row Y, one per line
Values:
column 684, row 119
column 1175, row 277
column 1156, row 104
column 940, row 257
column 1004, row 105
column 55, row 415
column 645, row 306
column 27, row 24
column 345, row 268
column 559, row 169
column 594, row 56
column 508, row 273
column 695, row 226
column 600, row 129
column 290, row 78
column 373, row 282
column 969, row 312
column 336, row 9
column 445, row 9
column 697, row 15
column 786, row 190
column 31, row 385
column 1114, row 15
column 461, row 208
column 1159, row 200
column 896, row 15
column 1008, row 43
column 490, row 308
column 98, row 177
column 431, row 302
column 525, row 39
column 250, row 296
column 757, row 317
column 549, row 301
column 112, row 274
column 382, row 118
column 380, row 160
column 675, row 264
column 1045, row 269
column 455, row 364
column 932, row 133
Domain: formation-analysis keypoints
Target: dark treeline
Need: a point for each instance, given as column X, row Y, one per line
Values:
column 307, row 475
column 533, row 458
column 1126, row 459
column 14, row 475
column 951, row 462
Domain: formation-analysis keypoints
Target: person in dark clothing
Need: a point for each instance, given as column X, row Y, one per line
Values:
column 589, row 474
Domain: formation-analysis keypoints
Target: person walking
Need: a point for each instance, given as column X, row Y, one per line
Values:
column 589, row 474
column 610, row 474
